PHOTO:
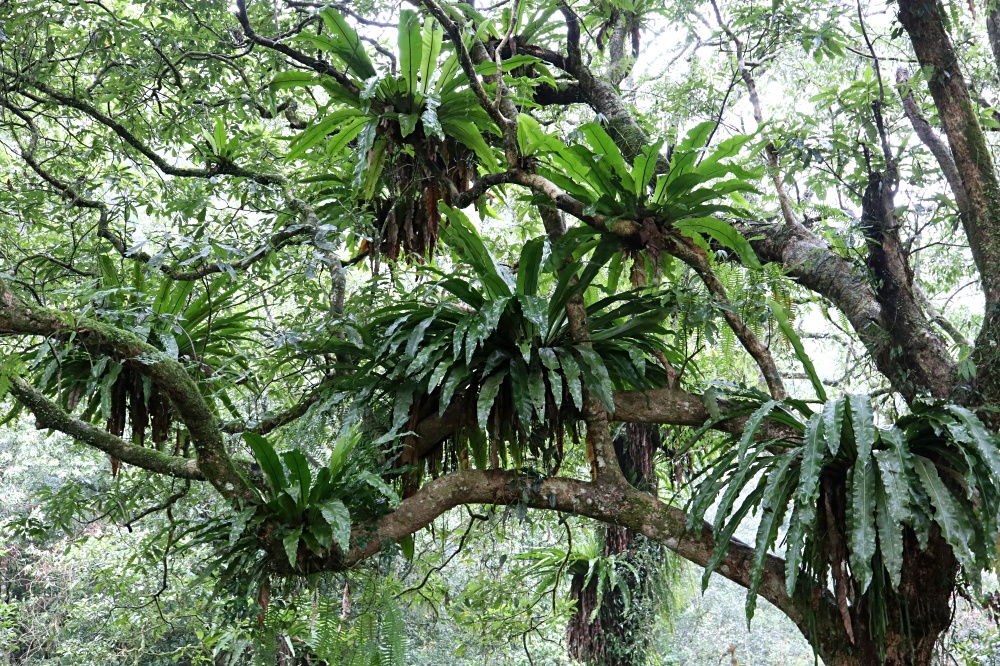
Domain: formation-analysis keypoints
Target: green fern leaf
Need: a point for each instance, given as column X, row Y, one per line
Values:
column 861, row 521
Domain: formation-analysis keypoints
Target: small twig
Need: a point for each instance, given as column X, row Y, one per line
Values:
column 165, row 504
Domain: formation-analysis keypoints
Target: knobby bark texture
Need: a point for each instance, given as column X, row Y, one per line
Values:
column 611, row 629
column 925, row 26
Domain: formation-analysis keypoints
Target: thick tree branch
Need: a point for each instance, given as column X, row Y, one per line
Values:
column 888, row 261
column 603, row 96
column 614, row 503
column 923, row 22
column 810, row 260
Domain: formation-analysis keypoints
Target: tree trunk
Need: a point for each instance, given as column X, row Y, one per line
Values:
column 914, row 616
column 619, row 635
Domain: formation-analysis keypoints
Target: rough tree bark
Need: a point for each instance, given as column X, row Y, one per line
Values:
column 618, row 635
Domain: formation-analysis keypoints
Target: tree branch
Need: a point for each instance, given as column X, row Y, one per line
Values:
column 220, row 168
column 614, row 503
column 930, row 138
column 923, row 22
column 276, row 45
column 169, row 375
column 49, row 416
column 909, row 366
column 696, row 258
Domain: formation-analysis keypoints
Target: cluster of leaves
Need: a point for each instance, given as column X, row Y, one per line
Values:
column 364, row 627
column 685, row 197
column 405, row 128
column 935, row 466
column 587, row 562
column 500, row 347
column 194, row 328
column 303, row 510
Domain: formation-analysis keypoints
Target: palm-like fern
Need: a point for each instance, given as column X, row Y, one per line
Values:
column 498, row 348
column 938, row 466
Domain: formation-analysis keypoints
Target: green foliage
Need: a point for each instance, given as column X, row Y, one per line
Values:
column 426, row 99
column 938, row 465
column 179, row 320
column 500, row 348
column 554, row 565
column 301, row 509
column 686, row 196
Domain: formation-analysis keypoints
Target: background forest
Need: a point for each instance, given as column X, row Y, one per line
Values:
column 515, row 332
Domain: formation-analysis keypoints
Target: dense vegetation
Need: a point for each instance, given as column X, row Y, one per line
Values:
column 382, row 332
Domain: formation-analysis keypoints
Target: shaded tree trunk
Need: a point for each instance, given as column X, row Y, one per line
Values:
column 619, row 634
column 914, row 617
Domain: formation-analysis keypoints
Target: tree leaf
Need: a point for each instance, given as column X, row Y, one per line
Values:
column 723, row 233
column 487, row 395
column 806, row 495
column 985, row 443
column 407, row 123
column 346, row 44
column 781, row 316
column 863, row 420
column 596, row 377
column 781, row 483
column 267, row 459
column 300, row 475
column 723, row 536
column 461, row 236
column 529, row 266
column 833, row 421
column 890, row 536
column 709, row 489
column 571, row 371
column 468, row 134
column 949, row 515
column 604, row 145
column 895, row 467
column 644, row 168
column 337, row 516
column 753, row 425
column 861, row 521
column 433, row 37
column 411, row 47
column 291, row 544
column 292, row 79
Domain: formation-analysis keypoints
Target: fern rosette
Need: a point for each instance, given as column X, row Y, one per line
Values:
column 933, row 471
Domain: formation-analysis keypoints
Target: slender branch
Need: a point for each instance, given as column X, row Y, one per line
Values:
column 220, row 168
column 696, row 258
column 277, row 45
column 49, row 416
column 270, row 423
column 939, row 149
column 290, row 235
column 774, row 167
column 816, row 266
column 165, row 504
